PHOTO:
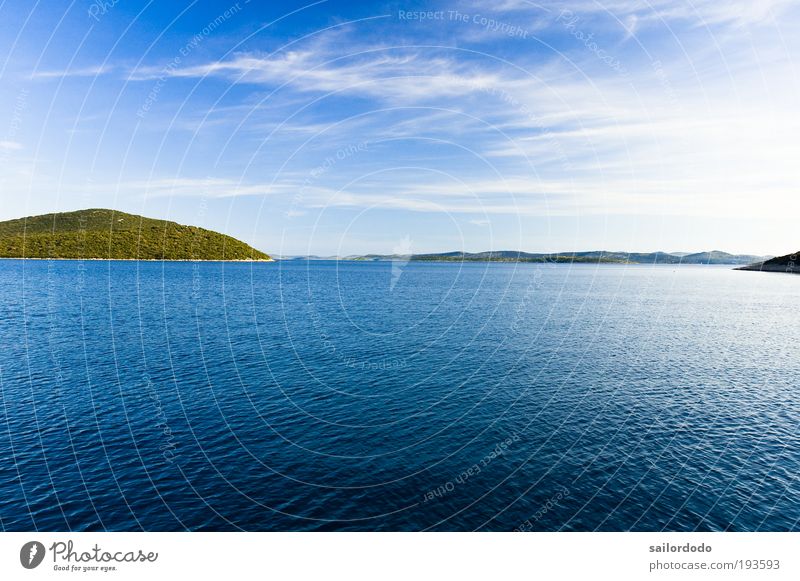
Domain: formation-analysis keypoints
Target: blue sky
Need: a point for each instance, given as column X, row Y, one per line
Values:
column 355, row 127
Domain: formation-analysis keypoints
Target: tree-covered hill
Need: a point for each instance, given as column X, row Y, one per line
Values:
column 110, row 234
column 786, row 264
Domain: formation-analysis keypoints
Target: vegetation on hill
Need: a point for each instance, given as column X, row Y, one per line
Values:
column 109, row 234
column 786, row 263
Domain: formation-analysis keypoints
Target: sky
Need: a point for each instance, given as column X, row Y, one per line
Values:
column 337, row 128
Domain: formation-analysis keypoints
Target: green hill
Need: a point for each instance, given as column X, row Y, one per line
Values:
column 786, row 263
column 109, row 234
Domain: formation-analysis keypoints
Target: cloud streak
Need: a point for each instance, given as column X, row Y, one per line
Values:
column 92, row 71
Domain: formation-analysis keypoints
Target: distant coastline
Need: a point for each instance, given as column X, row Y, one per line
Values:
column 136, row 259
column 109, row 235
column 589, row 257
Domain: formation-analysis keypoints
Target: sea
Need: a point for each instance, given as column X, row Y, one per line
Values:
column 397, row 396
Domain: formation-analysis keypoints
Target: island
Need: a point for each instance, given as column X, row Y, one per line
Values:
column 595, row 256
column 786, row 264
column 113, row 235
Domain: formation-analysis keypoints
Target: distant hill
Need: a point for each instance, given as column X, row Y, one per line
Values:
column 109, row 234
column 786, row 263
column 596, row 256
column 719, row 257
column 313, row 257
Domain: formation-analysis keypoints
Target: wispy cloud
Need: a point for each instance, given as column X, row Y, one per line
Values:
column 699, row 12
column 92, row 71
column 593, row 147
column 374, row 73
column 198, row 188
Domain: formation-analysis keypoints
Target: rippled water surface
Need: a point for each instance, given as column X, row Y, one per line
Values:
column 392, row 396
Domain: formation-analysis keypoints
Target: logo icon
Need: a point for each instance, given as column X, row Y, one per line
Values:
column 31, row 554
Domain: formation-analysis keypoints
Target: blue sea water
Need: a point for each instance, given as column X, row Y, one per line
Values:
column 390, row 396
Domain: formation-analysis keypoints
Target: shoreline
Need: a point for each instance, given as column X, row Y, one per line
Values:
column 779, row 268
column 734, row 266
column 135, row 259
column 509, row 262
